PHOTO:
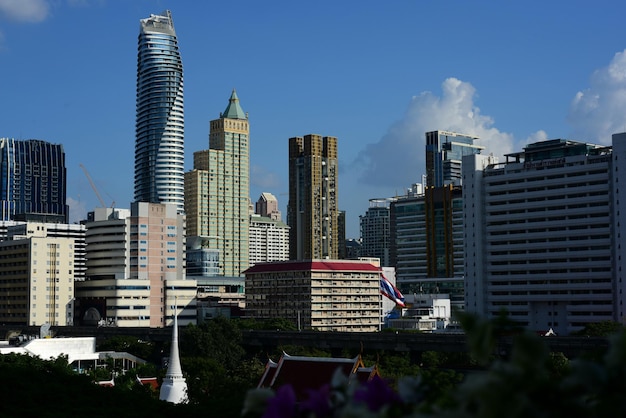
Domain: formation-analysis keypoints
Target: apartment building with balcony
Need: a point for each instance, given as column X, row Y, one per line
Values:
column 325, row 295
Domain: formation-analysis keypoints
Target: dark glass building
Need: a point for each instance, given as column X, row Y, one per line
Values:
column 33, row 182
column 444, row 153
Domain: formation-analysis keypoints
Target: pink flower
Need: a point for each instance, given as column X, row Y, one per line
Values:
column 318, row 402
column 283, row 405
column 376, row 393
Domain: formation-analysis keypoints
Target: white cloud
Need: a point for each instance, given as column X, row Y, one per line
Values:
column 538, row 136
column 397, row 160
column 78, row 212
column 600, row 111
column 25, row 10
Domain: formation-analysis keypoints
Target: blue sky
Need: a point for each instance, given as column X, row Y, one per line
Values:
column 375, row 74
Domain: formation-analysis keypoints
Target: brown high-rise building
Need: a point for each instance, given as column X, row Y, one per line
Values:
column 312, row 211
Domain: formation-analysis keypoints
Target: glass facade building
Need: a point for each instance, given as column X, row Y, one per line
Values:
column 375, row 231
column 426, row 243
column 159, row 145
column 32, row 181
column 444, row 153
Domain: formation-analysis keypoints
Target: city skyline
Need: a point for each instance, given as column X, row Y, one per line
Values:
column 375, row 76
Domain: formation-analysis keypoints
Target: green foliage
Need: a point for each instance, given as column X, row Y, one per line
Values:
column 49, row 388
column 218, row 339
column 274, row 324
column 394, row 365
column 601, row 329
column 132, row 345
column 297, row 350
column 528, row 381
column 218, row 371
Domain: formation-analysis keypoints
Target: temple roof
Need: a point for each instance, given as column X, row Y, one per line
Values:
column 305, row 373
column 234, row 110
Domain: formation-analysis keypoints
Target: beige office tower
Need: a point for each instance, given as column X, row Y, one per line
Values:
column 217, row 190
column 312, row 211
column 196, row 195
column 39, row 264
column 38, row 281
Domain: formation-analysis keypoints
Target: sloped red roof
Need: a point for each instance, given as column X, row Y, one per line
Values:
column 313, row 265
column 311, row 373
column 365, row 374
column 150, row 381
column 268, row 374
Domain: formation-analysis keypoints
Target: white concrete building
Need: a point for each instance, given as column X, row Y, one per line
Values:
column 543, row 235
column 135, row 268
column 269, row 240
column 425, row 313
column 80, row 351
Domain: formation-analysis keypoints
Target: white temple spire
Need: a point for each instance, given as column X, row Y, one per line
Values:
column 174, row 386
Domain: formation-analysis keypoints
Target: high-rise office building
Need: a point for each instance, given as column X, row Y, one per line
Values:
column 32, row 181
column 160, row 129
column 427, row 230
column 426, row 242
column 197, row 195
column 217, row 199
column 444, row 232
column 342, row 249
column 313, row 212
column 444, row 154
column 543, row 235
column 375, row 235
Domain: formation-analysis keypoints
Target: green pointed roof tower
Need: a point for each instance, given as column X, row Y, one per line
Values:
column 234, row 110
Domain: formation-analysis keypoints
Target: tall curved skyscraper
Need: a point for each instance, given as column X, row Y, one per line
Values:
column 160, row 128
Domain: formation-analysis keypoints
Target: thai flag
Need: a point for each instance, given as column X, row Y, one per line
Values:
column 388, row 290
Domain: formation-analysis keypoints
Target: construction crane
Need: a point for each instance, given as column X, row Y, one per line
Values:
column 95, row 189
